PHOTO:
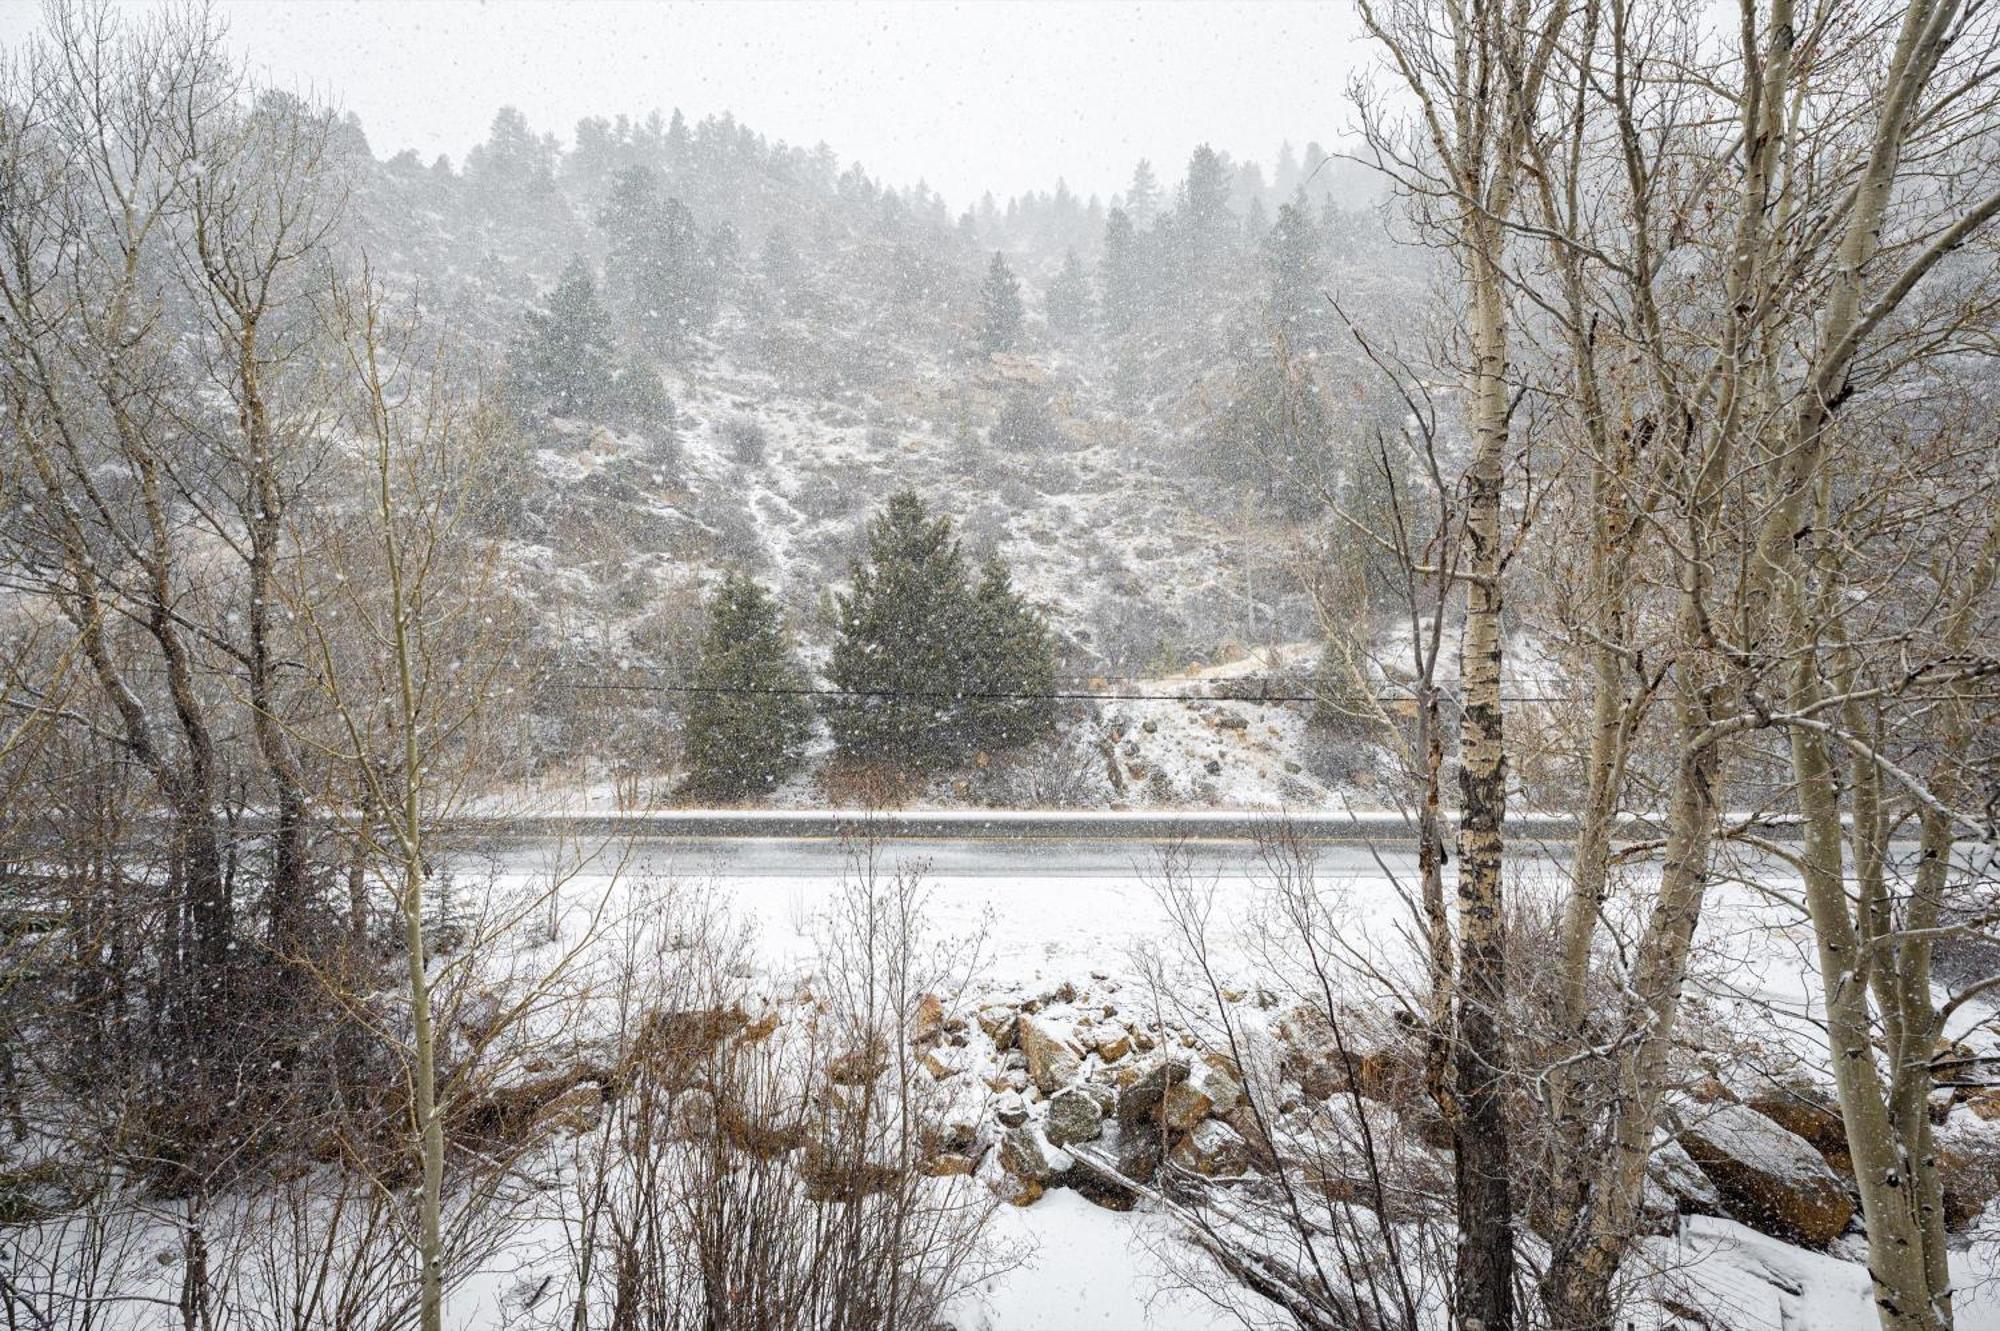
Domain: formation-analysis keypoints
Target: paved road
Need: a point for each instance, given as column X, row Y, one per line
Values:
column 1245, row 828
column 749, row 857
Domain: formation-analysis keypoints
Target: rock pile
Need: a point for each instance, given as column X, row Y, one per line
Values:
column 1085, row 1098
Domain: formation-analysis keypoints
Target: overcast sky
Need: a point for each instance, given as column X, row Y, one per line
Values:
column 968, row 96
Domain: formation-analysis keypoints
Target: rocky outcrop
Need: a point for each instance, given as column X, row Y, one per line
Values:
column 1211, row 1087
column 1676, row 1186
column 1213, row 1149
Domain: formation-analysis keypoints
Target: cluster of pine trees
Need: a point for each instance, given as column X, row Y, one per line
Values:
column 931, row 665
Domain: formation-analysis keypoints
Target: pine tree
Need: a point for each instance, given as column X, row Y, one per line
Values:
column 903, row 632
column 1205, row 203
column 748, row 720
column 563, row 358
column 1291, row 264
column 1068, row 298
column 1142, row 197
column 1119, row 274
column 999, row 307
column 930, row 668
column 637, row 398
column 1012, row 673
column 660, row 271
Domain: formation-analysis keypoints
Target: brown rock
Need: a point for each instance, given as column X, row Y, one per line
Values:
column 1027, row 1154
column 1142, row 1098
column 1210, row 1088
column 1053, row 1056
column 998, row 1021
column 945, row 1062
column 856, row 1067
column 1771, row 1178
column 947, row 1163
column 1213, row 1150
column 927, row 1022
column 1812, row 1116
column 1074, row 1116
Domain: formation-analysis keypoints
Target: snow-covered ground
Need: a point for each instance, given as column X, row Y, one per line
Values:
column 1048, row 913
column 1042, row 914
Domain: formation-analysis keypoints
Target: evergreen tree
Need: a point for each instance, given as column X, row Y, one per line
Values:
column 725, row 266
column 659, row 270
column 1291, row 264
column 999, row 307
column 1279, row 426
column 1286, row 178
column 903, row 629
column 1025, row 426
column 1068, row 298
column 563, row 358
column 1205, row 217
column 748, row 720
column 638, row 398
column 1118, row 273
column 1012, row 675
column 921, row 653
column 1142, row 197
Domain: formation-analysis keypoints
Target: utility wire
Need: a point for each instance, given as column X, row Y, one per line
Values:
column 944, row 695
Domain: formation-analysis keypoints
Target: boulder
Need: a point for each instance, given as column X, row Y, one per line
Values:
column 1675, row 1186
column 947, row 1163
column 1213, row 1150
column 1008, row 1079
column 946, row 1061
column 1053, row 1056
column 1113, row 1044
column 1263, row 1155
column 1810, row 1115
column 857, row 1067
column 1132, row 1152
column 1074, row 1116
column 1028, row 1154
column 1148, row 1089
column 1010, row 1109
column 1210, row 1088
column 927, row 1022
column 1770, row 1177
column 997, row 1020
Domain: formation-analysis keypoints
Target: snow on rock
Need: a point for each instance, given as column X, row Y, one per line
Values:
column 1769, row 1176
column 1054, row 1057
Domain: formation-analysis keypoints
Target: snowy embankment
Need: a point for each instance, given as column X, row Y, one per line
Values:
column 1078, row 934
column 1088, row 917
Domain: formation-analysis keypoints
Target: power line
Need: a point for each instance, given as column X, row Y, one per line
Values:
column 945, row 695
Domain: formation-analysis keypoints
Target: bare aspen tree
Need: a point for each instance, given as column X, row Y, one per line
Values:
column 96, row 185
column 406, row 652
column 253, row 250
column 1741, row 434
column 1476, row 74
